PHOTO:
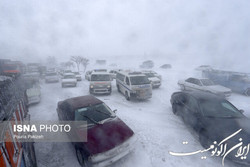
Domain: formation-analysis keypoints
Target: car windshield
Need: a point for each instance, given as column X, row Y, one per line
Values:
column 207, row 82
column 51, row 74
column 69, row 77
column 150, row 75
column 100, row 77
column 94, row 114
column 219, row 109
column 139, row 80
column 76, row 73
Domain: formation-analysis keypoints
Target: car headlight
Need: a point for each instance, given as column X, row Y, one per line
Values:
column 108, row 86
column 91, row 86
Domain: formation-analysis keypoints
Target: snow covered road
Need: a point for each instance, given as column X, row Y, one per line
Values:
column 157, row 128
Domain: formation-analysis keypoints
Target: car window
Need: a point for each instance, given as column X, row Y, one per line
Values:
column 93, row 114
column 127, row 81
column 197, row 82
column 219, row 108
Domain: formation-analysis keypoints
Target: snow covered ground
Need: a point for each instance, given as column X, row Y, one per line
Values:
column 157, row 128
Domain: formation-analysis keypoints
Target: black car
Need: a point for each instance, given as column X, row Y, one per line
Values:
column 214, row 119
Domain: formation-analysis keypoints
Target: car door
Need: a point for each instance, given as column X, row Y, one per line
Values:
column 191, row 111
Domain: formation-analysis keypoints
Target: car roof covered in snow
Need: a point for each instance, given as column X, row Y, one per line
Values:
column 82, row 101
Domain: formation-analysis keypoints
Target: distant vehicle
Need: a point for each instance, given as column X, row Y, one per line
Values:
column 109, row 138
column 154, row 78
column 69, row 79
column 166, row 66
column 147, row 64
column 11, row 68
column 204, row 67
column 214, row 119
column 51, row 77
column 100, row 83
column 33, row 91
column 78, row 76
column 113, row 73
column 32, row 76
column 133, row 85
column 87, row 75
column 238, row 82
column 33, row 67
column 204, row 84
column 100, row 70
column 101, row 62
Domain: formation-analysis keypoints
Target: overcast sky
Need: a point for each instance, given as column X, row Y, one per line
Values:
column 212, row 32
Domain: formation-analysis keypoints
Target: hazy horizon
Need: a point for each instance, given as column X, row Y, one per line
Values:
column 179, row 32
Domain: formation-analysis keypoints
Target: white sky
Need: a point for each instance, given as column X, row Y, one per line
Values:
column 212, row 32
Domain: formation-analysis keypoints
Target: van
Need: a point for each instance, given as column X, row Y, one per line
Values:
column 133, row 85
column 100, row 83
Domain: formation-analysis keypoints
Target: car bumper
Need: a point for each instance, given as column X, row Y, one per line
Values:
column 156, row 84
column 100, row 91
column 69, row 84
column 34, row 99
column 120, row 151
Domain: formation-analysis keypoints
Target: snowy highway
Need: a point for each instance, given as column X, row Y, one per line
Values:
column 158, row 130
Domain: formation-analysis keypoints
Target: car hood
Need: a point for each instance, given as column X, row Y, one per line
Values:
column 220, row 128
column 106, row 136
column 218, row 88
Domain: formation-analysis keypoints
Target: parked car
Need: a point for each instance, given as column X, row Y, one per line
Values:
column 33, row 91
column 113, row 73
column 154, row 78
column 147, row 64
column 166, row 66
column 87, row 75
column 214, row 119
column 238, row 82
column 78, row 76
column 203, row 67
column 204, row 84
column 100, row 83
column 51, row 77
column 69, row 79
column 108, row 137
column 133, row 85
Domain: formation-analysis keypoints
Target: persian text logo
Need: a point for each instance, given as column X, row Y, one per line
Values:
column 221, row 149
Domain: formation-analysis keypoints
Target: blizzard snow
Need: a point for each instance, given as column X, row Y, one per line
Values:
column 157, row 128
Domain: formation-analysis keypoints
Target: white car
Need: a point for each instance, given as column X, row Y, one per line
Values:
column 154, row 78
column 78, row 76
column 33, row 92
column 204, row 84
column 69, row 79
column 51, row 77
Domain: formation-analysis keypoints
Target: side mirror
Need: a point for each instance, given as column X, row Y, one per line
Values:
column 115, row 110
column 242, row 111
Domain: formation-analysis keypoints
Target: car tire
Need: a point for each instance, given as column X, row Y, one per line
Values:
column 247, row 92
column 81, row 158
column 127, row 96
column 118, row 88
